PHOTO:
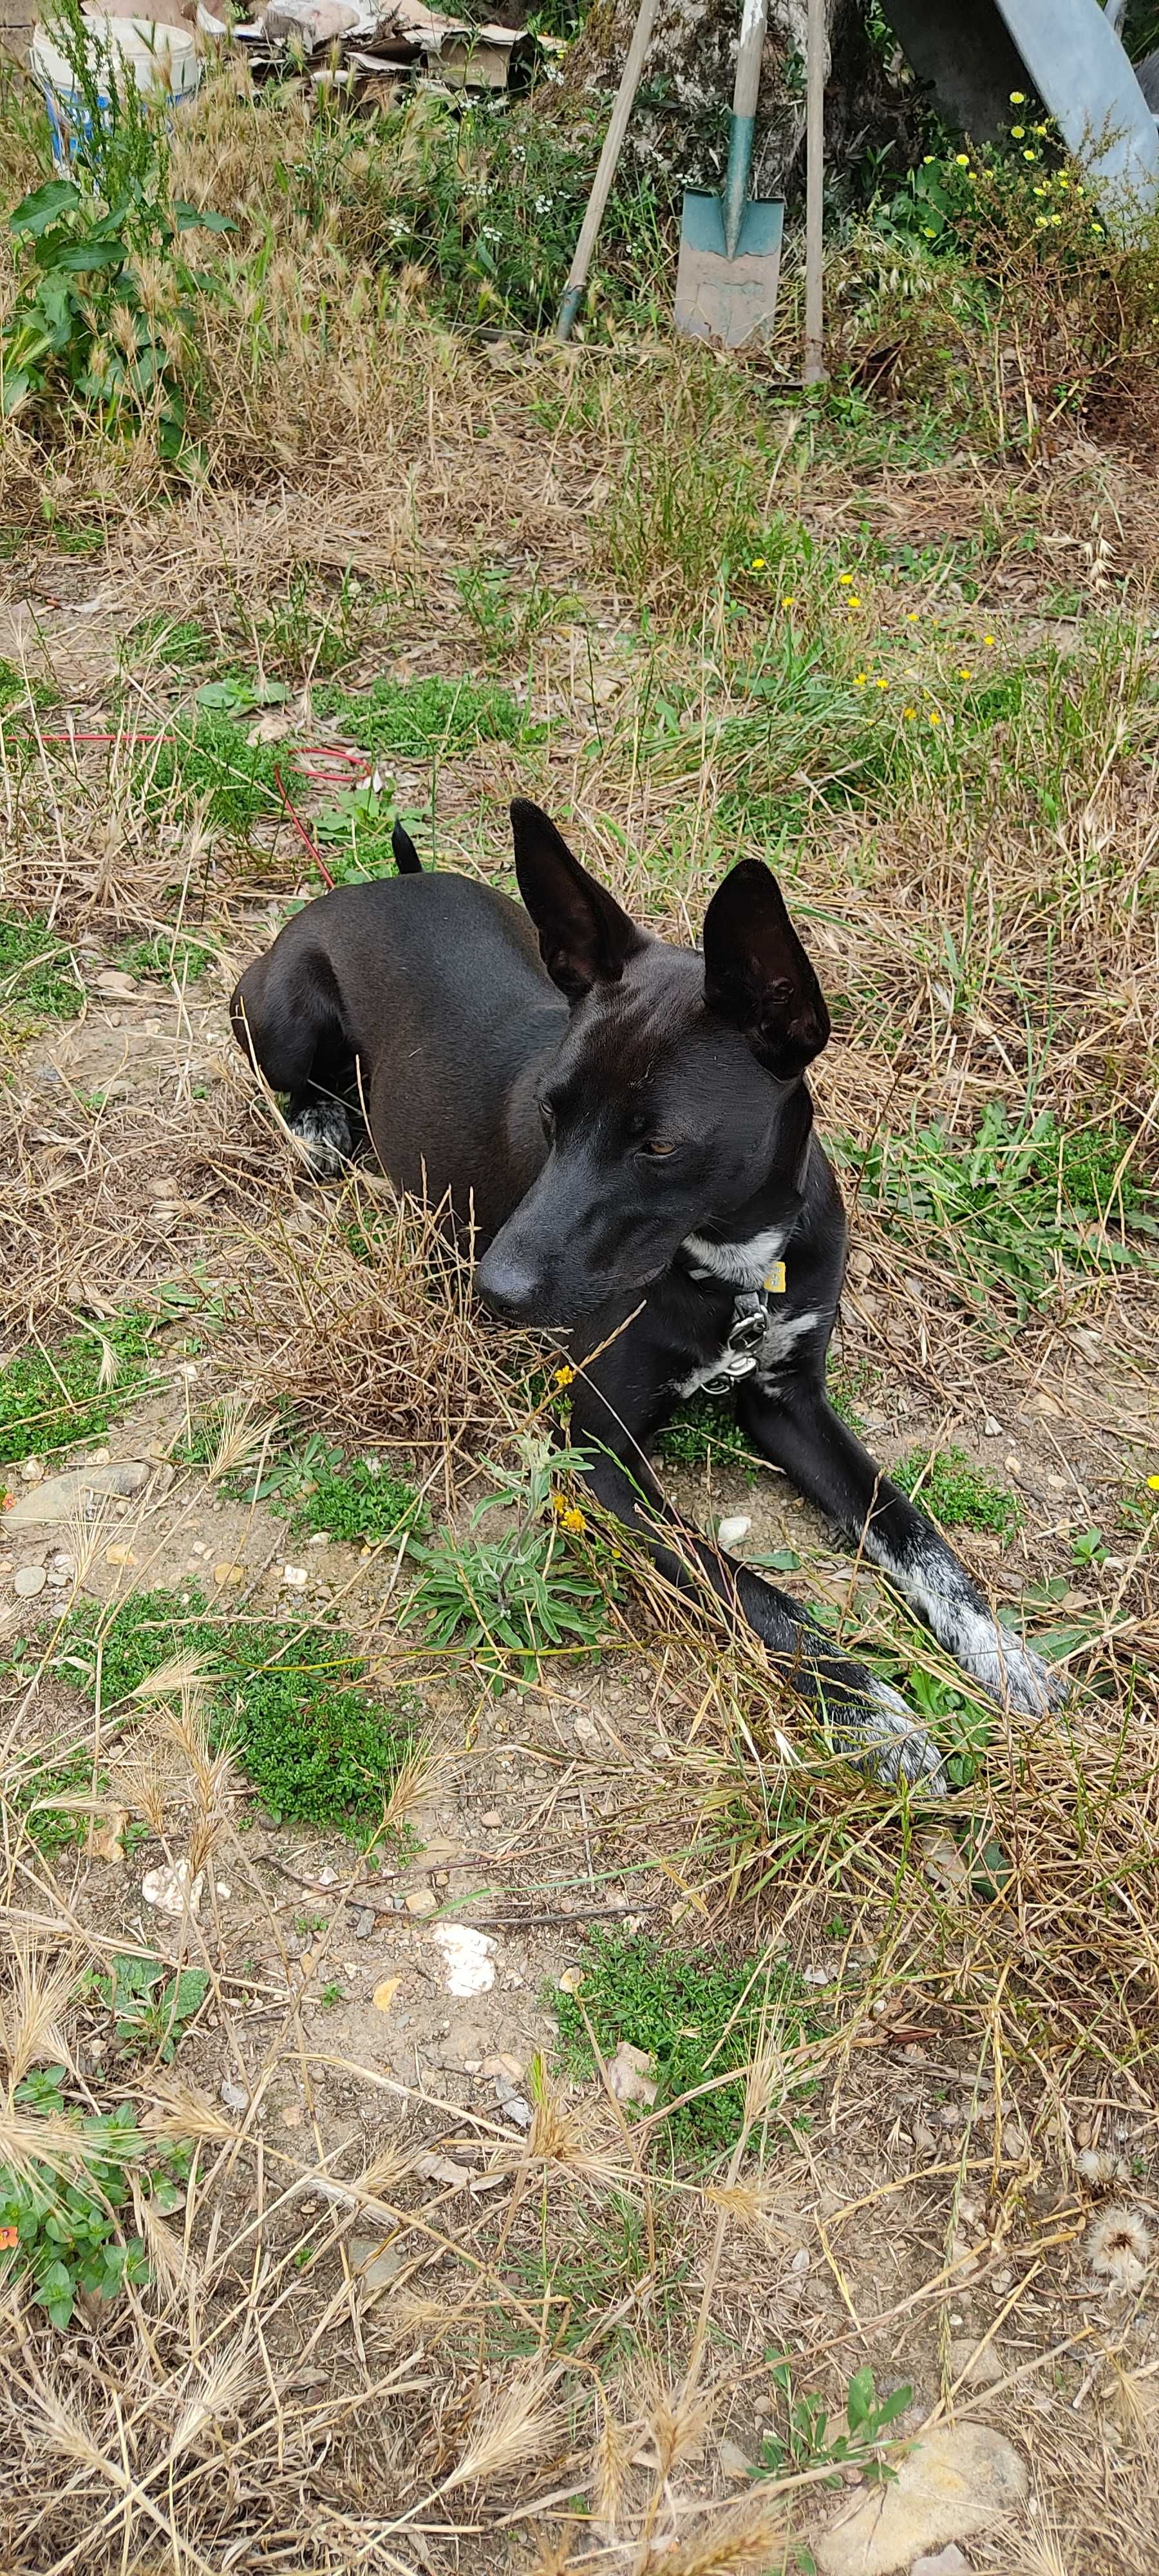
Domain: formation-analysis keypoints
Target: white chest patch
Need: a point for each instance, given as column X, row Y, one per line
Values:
column 744, row 1265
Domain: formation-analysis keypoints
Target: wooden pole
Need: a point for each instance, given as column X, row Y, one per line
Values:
column 813, row 370
column 577, row 277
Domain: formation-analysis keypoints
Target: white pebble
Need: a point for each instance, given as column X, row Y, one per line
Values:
column 731, row 1532
column 28, row 1579
column 294, row 1577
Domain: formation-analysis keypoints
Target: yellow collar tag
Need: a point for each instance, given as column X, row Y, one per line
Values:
column 775, row 1283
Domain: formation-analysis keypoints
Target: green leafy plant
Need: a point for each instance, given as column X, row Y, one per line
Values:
column 85, row 326
column 50, row 1398
column 35, row 978
column 360, row 1501
column 807, row 2440
column 168, row 953
column 207, row 759
column 506, row 1602
column 957, row 1494
column 65, row 2233
column 17, row 690
column 152, row 2008
column 698, row 2014
column 705, row 1433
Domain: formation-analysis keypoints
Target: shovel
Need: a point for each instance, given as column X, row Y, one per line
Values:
column 730, row 246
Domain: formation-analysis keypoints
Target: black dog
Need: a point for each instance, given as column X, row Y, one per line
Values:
column 628, row 1126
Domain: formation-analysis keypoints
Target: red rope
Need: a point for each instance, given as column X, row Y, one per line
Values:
column 303, row 835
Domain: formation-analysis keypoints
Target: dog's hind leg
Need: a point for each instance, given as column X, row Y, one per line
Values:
column 291, row 1024
column 798, row 1430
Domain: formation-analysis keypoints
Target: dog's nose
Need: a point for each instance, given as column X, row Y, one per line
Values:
column 509, row 1290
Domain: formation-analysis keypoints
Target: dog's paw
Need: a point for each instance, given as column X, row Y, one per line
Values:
column 880, row 1734
column 324, row 1133
column 1013, row 1675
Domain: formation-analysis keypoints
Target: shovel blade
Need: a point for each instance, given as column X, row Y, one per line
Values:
column 732, row 301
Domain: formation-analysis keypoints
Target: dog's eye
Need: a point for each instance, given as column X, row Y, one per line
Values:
column 654, row 1146
column 546, row 1117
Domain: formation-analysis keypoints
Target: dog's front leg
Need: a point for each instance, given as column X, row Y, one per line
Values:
column 864, row 1716
column 798, row 1430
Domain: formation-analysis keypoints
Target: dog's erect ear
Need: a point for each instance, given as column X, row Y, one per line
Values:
column 584, row 937
column 756, row 973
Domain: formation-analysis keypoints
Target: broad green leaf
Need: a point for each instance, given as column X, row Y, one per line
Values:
column 35, row 213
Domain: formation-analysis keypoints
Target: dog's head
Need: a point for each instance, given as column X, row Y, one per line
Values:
column 675, row 1095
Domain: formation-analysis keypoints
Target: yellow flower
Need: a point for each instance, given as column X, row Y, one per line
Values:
column 881, row 684
column 928, row 161
column 861, row 679
column 934, row 716
column 911, row 617
column 564, row 1376
column 1055, row 219
column 1018, row 131
column 963, row 160
column 987, row 639
column 759, row 563
column 844, row 576
column 1028, row 155
column 1153, row 1484
column 852, row 601
column 963, row 672
column 1062, row 180
column 1097, row 230
column 789, row 600
column 1040, row 223
column 573, row 1519
column 1018, row 98
column 909, row 713
column 929, row 232
column 1040, row 129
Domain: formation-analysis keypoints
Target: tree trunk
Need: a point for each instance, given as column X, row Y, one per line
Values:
column 681, row 118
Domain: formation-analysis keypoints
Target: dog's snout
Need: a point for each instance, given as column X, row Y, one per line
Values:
column 511, row 1291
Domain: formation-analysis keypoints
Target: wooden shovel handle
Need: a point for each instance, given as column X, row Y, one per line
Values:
column 577, row 276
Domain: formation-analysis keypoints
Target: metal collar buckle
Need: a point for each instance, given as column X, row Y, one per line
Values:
column 742, row 1349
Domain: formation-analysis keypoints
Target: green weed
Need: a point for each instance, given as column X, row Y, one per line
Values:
column 207, row 760
column 152, row 2006
column 36, row 982
column 957, row 1494
column 49, row 1399
column 362, row 1501
column 18, row 691
column 424, row 719
column 699, row 2016
column 609, row 2256
column 169, row 954
column 182, row 642
column 506, row 1603
column 705, row 1433
column 807, row 2440
column 1015, row 1212
column 314, row 1743
column 67, row 2238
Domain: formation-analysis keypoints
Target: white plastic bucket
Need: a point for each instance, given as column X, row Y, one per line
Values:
column 160, row 58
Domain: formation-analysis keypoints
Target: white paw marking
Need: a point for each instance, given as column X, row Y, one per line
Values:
column 942, row 1594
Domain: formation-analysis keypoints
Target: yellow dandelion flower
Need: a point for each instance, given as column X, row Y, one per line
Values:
column 759, row 564
column 1039, row 129
column 789, row 600
column 927, row 161
column 1098, row 232
column 934, row 716
column 1040, row 223
column 853, row 601
column 1054, row 219
column 929, row 232
column 911, row 617
column 881, row 684
column 963, row 160
column 987, row 639
column 1153, row 1484
column 1018, row 98
column 573, row 1519
column 1018, row 131
column 845, row 576
column 964, row 673
column 564, row 1376
column 1062, row 180
column 909, row 713
column 1028, row 155
column 861, row 680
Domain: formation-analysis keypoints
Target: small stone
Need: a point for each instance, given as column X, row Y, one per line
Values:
column 32, row 1471
column 587, row 1733
column 732, row 1532
column 949, row 2562
column 991, row 1428
column 114, row 985
column 801, row 2259
column 491, row 1819
column 228, row 1573
column 629, row 2075
column 958, row 2481
column 472, row 2066
column 734, row 2463
column 62, row 1570
column 384, row 1995
column 27, row 1580
column 421, row 1900
column 119, row 1555
column 235, row 2097
column 294, row 1577
column 375, row 2263
column 173, row 1889
column 519, row 2113
column 977, row 2369
column 363, row 1923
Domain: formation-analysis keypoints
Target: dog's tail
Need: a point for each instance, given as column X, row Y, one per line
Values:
column 406, row 857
